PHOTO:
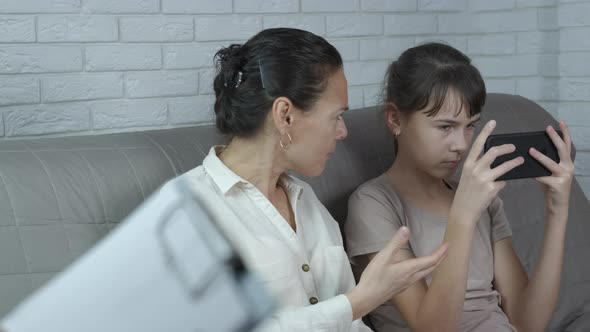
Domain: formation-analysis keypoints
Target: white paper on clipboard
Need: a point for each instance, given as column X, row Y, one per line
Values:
column 165, row 268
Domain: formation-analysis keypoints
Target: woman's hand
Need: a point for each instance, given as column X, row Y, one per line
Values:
column 478, row 185
column 384, row 277
column 557, row 187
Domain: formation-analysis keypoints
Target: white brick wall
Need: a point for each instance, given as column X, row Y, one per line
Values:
column 19, row 90
column 17, row 29
column 573, row 20
column 40, row 59
column 121, row 7
column 113, row 57
column 92, row 66
column 126, row 114
column 81, row 87
column 156, row 29
column 76, row 29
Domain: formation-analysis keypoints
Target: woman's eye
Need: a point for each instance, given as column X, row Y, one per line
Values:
column 444, row 128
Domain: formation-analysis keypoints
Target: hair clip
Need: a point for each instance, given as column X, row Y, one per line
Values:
column 239, row 79
column 261, row 74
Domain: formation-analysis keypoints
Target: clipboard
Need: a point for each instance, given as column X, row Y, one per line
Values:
column 167, row 267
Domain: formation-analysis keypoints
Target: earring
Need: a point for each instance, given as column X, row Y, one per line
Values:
column 281, row 141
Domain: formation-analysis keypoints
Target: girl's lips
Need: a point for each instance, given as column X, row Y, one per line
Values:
column 451, row 163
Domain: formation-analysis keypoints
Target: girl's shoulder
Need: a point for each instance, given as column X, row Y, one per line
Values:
column 379, row 188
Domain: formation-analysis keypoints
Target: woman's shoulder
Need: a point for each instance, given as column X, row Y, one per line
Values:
column 194, row 178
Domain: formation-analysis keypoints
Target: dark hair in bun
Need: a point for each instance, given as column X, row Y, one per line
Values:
column 280, row 62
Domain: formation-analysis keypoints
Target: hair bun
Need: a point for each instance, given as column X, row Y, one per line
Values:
column 230, row 62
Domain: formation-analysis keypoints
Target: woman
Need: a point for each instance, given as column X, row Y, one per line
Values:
column 280, row 98
column 434, row 97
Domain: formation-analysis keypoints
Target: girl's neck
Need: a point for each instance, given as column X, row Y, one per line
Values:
column 411, row 181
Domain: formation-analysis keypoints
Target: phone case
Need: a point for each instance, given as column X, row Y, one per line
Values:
column 539, row 140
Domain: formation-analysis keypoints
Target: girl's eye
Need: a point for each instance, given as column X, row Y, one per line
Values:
column 471, row 126
column 444, row 128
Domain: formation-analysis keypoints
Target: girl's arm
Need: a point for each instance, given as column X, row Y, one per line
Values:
column 440, row 306
column 529, row 304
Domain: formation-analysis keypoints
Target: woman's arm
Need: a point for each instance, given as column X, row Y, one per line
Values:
column 381, row 279
column 385, row 276
column 334, row 314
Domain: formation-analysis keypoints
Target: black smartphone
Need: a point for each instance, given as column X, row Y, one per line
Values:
column 539, row 140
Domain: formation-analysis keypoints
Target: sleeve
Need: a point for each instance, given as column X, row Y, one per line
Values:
column 373, row 218
column 500, row 227
column 334, row 314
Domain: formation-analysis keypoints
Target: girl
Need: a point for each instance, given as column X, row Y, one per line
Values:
column 433, row 99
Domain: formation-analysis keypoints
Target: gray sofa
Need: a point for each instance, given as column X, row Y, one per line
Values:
column 58, row 196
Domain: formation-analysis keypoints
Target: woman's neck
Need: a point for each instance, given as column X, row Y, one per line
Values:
column 256, row 161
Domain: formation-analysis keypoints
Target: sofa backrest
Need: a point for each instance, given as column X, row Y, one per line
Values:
column 58, row 196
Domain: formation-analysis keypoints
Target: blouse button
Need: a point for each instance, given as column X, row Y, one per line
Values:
column 305, row 268
column 313, row 300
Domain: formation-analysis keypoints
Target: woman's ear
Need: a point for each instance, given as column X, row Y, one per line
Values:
column 282, row 114
column 393, row 118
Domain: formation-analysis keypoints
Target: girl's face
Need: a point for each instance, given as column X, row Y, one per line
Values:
column 316, row 131
column 436, row 144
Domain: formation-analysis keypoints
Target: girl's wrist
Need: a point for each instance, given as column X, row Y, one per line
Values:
column 460, row 217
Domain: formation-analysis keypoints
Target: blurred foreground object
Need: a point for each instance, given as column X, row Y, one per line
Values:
column 166, row 268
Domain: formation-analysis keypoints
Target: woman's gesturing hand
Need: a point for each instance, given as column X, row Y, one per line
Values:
column 384, row 277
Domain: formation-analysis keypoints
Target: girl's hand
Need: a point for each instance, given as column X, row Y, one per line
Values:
column 477, row 186
column 557, row 187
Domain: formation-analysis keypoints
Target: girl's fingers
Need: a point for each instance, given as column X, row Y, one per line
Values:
column 567, row 138
column 551, row 165
column 506, row 167
column 562, row 149
column 479, row 142
column 488, row 158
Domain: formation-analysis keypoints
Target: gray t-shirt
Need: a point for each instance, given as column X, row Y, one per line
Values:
column 376, row 212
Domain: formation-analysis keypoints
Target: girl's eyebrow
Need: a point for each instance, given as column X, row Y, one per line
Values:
column 455, row 122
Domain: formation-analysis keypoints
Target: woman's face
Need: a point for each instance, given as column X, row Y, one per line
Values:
column 437, row 144
column 315, row 132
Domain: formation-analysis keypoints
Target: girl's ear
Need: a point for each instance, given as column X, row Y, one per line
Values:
column 393, row 118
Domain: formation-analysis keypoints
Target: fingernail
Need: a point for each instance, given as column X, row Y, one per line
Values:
column 492, row 123
column 404, row 231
